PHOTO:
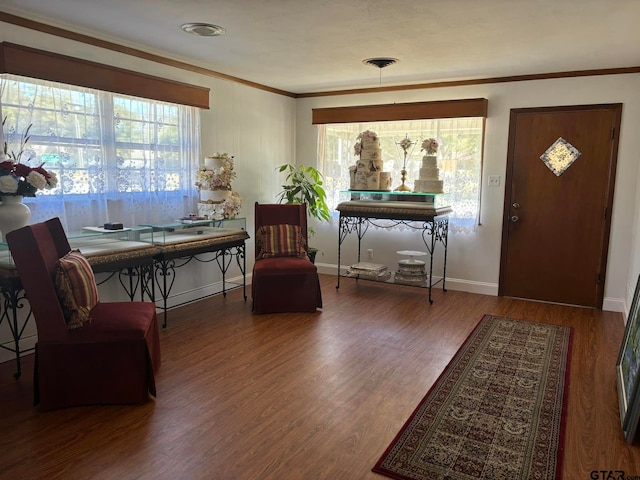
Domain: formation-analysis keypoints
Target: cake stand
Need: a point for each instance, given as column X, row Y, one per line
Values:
column 411, row 254
column 411, row 271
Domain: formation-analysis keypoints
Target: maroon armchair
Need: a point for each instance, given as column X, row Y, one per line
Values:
column 284, row 279
column 110, row 359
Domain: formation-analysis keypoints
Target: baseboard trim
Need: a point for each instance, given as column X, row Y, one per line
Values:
column 613, row 304
column 470, row 286
column 483, row 288
column 199, row 293
column 451, row 284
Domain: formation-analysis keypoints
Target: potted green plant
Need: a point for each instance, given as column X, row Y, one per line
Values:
column 304, row 185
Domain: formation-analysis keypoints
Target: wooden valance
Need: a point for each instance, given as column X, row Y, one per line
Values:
column 474, row 107
column 34, row 63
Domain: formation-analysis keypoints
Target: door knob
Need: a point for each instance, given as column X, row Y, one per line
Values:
column 516, row 205
column 515, row 218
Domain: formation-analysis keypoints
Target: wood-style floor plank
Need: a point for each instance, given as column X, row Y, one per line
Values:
column 302, row 396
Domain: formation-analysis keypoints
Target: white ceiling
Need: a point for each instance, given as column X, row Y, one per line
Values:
column 302, row 46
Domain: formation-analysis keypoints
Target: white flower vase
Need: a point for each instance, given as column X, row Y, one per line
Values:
column 13, row 214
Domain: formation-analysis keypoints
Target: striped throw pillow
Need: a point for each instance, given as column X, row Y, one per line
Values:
column 77, row 289
column 280, row 241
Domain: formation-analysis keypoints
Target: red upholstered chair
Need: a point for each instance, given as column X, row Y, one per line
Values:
column 109, row 360
column 283, row 283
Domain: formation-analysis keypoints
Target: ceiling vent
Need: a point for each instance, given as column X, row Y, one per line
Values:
column 203, row 29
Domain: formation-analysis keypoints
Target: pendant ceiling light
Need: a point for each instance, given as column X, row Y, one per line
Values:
column 380, row 62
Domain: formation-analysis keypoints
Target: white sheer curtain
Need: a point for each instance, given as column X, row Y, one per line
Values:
column 459, row 159
column 117, row 158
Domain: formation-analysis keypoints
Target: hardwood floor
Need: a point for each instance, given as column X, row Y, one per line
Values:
column 302, row 396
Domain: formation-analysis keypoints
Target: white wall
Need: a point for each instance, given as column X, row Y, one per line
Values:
column 474, row 260
column 255, row 126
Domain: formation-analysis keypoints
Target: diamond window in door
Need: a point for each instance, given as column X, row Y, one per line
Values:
column 560, row 156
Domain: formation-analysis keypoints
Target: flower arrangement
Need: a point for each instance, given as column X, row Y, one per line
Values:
column 368, row 134
column 17, row 178
column 231, row 206
column 430, row 145
column 218, row 178
column 357, row 148
column 228, row 208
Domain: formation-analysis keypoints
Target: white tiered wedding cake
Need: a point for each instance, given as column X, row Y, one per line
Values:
column 217, row 198
column 429, row 174
column 368, row 174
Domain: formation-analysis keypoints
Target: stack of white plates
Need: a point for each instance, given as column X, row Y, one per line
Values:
column 370, row 271
column 410, row 271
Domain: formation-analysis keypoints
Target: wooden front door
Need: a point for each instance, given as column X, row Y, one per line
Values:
column 555, row 233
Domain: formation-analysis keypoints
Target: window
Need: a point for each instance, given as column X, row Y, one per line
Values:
column 459, row 159
column 117, row 158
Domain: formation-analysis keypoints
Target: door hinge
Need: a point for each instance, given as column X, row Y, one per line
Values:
column 613, row 133
column 605, row 212
column 598, row 279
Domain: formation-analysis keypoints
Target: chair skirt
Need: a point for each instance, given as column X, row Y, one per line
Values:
column 285, row 284
column 111, row 360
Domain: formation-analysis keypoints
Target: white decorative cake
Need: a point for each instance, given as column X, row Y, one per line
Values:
column 213, row 179
column 429, row 174
column 371, row 153
column 368, row 174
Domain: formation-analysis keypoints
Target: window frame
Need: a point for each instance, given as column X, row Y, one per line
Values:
column 94, row 187
column 417, row 111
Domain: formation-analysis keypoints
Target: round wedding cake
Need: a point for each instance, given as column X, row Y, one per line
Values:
column 428, row 180
column 368, row 174
column 213, row 179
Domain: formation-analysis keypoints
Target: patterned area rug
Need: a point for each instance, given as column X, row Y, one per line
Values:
column 495, row 413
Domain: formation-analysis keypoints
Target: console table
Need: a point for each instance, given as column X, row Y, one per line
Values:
column 144, row 258
column 179, row 246
column 432, row 222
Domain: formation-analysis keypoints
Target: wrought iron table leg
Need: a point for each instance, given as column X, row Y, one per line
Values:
column 164, row 269
column 240, row 254
column 445, row 235
column 12, row 302
column 433, row 242
column 340, row 239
